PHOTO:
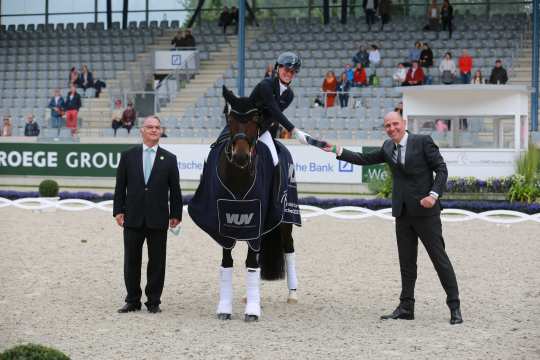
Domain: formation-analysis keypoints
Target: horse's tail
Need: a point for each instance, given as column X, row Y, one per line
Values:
column 271, row 257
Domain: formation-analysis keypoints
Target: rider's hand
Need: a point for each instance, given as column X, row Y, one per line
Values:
column 300, row 136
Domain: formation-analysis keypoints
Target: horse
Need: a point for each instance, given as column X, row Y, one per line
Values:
column 248, row 207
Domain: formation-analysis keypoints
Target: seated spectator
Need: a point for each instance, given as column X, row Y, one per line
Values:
column 31, row 128
column 374, row 56
column 7, row 127
column 498, row 74
column 57, row 106
column 360, row 76
column 73, row 78
column 269, row 71
column 164, row 132
column 98, row 85
column 399, row 108
column 400, row 74
column 128, row 117
column 433, row 17
column 415, row 75
column 72, row 106
column 343, row 88
column 361, row 57
column 189, row 39
column 117, row 115
column 426, row 56
column 447, row 69
column 465, row 66
column 349, row 71
column 477, row 78
column 86, row 79
column 414, row 53
column 225, row 19
column 235, row 17
column 329, row 87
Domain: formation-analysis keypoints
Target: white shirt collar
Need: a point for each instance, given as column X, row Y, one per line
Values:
column 155, row 147
column 282, row 88
column 403, row 141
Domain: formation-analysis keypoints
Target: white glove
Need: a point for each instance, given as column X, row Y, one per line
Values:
column 300, row 136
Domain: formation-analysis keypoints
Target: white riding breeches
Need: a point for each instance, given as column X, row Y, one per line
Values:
column 266, row 138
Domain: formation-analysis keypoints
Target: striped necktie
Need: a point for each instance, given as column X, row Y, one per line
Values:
column 396, row 155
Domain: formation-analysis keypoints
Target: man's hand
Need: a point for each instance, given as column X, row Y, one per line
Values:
column 428, row 202
column 174, row 223
column 119, row 219
column 332, row 148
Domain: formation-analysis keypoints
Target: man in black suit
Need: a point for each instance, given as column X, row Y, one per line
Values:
column 415, row 204
column 147, row 200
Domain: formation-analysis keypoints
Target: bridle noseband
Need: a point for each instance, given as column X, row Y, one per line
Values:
column 241, row 136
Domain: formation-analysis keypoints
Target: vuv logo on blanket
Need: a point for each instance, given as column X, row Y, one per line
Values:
column 239, row 219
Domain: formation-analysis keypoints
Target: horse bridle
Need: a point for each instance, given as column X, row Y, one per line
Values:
column 242, row 136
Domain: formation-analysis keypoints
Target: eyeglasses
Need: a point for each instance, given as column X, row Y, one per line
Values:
column 152, row 127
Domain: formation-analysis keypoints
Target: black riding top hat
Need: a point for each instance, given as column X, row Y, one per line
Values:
column 242, row 107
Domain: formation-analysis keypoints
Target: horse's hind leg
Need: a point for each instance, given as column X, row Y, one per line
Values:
column 224, row 309
column 253, row 285
column 290, row 261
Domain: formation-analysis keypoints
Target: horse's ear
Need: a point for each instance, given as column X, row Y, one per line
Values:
column 228, row 95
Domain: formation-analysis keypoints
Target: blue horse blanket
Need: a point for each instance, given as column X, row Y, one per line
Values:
column 269, row 201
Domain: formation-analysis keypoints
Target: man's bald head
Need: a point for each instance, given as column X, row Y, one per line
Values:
column 394, row 125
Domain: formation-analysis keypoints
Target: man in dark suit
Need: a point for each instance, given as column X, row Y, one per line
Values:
column 415, row 204
column 147, row 199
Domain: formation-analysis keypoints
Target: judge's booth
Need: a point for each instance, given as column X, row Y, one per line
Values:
column 480, row 129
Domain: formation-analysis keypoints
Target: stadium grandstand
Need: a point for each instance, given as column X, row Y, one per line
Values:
column 35, row 59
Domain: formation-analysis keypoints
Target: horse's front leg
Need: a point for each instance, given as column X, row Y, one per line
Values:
column 224, row 309
column 253, row 286
column 290, row 261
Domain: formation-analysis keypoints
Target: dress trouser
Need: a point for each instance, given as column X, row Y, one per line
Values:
column 429, row 230
column 156, row 240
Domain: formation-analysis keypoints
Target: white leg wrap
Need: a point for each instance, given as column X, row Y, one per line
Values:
column 253, row 284
column 225, row 291
column 292, row 281
column 266, row 138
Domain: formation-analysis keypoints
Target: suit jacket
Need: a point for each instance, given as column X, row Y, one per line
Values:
column 72, row 104
column 151, row 204
column 266, row 96
column 414, row 180
column 52, row 104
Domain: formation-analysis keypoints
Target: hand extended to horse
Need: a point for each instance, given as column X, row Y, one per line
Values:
column 336, row 149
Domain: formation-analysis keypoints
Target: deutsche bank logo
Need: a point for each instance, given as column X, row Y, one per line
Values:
column 345, row 166
column 176, row 59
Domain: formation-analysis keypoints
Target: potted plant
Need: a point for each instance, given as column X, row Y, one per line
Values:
column 32, row 351
column 48, row 190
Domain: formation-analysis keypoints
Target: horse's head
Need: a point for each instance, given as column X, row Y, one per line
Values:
column 243, row 118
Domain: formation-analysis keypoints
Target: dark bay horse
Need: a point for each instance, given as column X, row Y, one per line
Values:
column 233, row 202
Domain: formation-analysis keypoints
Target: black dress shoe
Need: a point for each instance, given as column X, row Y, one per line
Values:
column 455, row 316
column 129, row 308
column 154, row 309
column 400, row 313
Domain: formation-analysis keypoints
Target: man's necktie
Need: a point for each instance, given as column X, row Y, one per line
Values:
column 147, row 164
column 396, row 156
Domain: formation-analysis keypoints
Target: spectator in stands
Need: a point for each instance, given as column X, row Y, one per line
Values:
column 399, row 108
column 400, row 74
column 349, row 71
column 117, row 115
column 374, row 56
column 329, row 88
column 360, row 76
column 441, row 126
column 72, row 106
column 269, row 71
column 415, row 75
column 86, row 79
column 477, row 78
column 73, row 78
column 225, row 19
column 426, row 56
column 433, row 17
column 7, row 127
column 189, row 38
column 361, row 57
column 128, row 117
column 98, row 85
column 31, row 128
column 179, row 39
column 465, row 66
column 447, row 15
column 448, row 70
column 385, row 7
column 164, row 132
column 498, row 74
column 370, row 9
column 343, row 88
column 57, row 106
column 414, row 53
column 235, row 17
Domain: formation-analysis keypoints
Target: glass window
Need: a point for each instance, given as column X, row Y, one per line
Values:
column 12, row 11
